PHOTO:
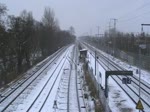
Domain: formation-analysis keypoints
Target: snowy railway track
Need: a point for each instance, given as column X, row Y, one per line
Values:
column 21, row 80
column 130, row 90
column 69, row 95
column 135, row 80
column 145, row 97
column 73, row 103
column 145, row 86
column 11, row 95
column 45, row 92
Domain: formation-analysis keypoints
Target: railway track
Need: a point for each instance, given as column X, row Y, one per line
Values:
column 73, row 103
column 10, row 97
column 145, row 86
column 69, row 96
column 130, row 90
column 135, row 80
column 45, row 92
column 26, row 76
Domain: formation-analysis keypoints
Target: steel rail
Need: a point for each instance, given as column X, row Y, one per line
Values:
column 45, row 67
column 120, row 79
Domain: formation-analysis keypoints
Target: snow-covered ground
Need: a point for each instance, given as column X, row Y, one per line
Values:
column 145, row 75
column 118, row 100
column 69, row 96
column 23, row 100
column 39, row 92
column 52, row 85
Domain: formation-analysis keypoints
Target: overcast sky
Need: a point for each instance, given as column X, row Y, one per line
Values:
column 86, row 15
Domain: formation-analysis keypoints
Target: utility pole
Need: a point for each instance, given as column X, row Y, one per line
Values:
column 109, row 27
column 142, row 45
column 139, row 74
column 109, row 43
column 142, row 30
column 98, row 27
column 128, row 58
column 95, row 62
column 109, row 50
column 98, row 35
column 91, row 32
column 115, row 22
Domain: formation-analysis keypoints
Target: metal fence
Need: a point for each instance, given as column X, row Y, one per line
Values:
column 133, row 59
column 130, row 58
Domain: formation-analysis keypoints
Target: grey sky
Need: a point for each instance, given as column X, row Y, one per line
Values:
column 86, row 15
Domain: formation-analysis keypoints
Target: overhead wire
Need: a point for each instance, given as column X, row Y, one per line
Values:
column 134, row 17
column 137, row 9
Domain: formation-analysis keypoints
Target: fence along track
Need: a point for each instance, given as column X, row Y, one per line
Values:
column 104, row 64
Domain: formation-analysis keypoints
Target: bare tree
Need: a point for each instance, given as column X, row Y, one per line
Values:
column 23, row 38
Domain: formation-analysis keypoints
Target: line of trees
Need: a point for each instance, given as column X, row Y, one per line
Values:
column 127, row 42
column 24, row 41
column 124, row 46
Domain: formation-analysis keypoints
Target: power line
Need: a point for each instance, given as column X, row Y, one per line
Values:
column 137, row 9
column 135, row 17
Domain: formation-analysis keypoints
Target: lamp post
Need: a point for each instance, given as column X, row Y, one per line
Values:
column 141, row 46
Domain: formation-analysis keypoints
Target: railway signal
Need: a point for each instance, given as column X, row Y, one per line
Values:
column 109, row 73
column 126, row 80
